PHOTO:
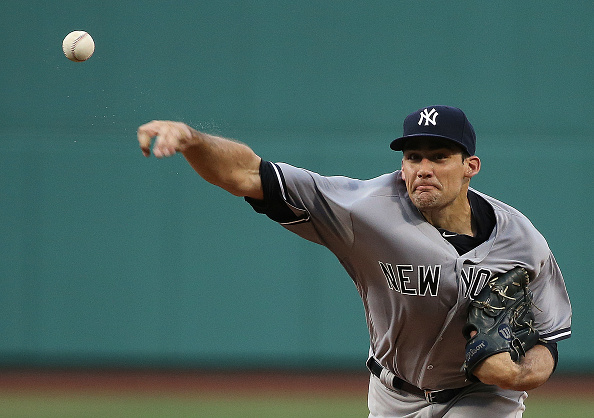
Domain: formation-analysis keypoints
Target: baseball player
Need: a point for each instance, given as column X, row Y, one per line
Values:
column 420, row 246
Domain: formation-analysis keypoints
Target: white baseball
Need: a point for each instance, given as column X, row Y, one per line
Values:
column 78, row 46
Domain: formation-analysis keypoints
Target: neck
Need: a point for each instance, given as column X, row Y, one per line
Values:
column 455, row 217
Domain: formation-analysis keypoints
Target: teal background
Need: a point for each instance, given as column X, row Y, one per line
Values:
column 110, row 259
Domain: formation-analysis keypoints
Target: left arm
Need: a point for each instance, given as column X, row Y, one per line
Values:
column 532, row 371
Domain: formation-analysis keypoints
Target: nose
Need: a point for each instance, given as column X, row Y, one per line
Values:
column 425, row 169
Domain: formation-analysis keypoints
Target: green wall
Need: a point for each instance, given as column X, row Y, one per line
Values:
column 108, row 259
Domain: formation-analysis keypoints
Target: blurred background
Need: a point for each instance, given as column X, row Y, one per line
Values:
column 108, row 259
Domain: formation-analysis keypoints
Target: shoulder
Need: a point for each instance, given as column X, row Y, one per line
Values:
column 503, row 209
column 383, row 184
column 514, row 225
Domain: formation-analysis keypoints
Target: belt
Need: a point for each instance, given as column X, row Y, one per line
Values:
column 392, row 381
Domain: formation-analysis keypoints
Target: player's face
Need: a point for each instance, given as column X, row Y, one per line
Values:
column 437, row 175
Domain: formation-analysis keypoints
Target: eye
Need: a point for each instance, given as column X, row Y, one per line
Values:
column 441, row 156
column 413, row 156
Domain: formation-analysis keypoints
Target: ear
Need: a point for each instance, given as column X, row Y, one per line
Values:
column 402, row 171
column 473, row 166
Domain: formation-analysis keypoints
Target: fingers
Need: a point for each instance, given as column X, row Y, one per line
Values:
column 145, row 133
column 170, row 136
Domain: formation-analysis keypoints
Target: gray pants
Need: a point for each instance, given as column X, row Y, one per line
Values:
column 478, row 400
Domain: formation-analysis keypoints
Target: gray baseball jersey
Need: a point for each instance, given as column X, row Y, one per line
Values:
column 414, row 285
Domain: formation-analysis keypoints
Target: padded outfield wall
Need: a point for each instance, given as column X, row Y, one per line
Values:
column 108, row 259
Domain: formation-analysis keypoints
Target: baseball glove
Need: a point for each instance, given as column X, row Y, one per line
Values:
column 502, row 317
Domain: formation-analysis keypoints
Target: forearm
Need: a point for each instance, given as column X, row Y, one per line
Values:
column 228, row 164
column 532, row 371
column 535, row 368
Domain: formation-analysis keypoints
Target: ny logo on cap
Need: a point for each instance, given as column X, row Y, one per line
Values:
column 429, row 117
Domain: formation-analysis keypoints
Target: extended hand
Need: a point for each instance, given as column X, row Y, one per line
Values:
column 171, row 137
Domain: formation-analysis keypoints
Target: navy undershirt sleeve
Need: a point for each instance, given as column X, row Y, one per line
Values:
column 273, row 205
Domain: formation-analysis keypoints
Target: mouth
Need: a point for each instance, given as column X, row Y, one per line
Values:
column 425, row 188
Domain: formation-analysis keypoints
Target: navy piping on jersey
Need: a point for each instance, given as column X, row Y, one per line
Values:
column 281, row 180
column 283, row 186
column 555, row 336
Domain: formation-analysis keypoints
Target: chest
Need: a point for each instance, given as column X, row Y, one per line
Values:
column 398, row 255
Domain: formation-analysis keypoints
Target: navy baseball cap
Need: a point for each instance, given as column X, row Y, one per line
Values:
column 438, row 122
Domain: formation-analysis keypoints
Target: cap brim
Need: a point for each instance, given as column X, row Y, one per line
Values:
column 398, row 143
